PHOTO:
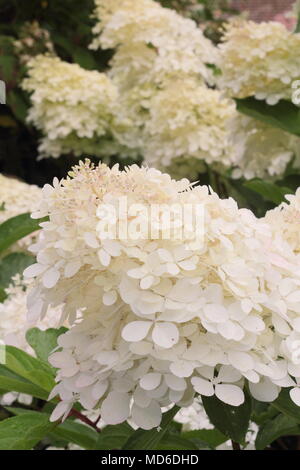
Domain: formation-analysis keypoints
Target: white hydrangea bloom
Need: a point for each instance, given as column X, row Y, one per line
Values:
column 13, row 327
column 17, row 197
column 13, row 314
column 9, row 398
column 193, row 417
column 188, row 121
column 158, row 320
column 259, row 59
column 160, row 68
column 285, row 220
column 162, row 41
column 258, row 149
column 69, row 104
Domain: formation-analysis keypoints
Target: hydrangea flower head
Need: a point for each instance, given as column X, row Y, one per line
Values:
column 159, row 38
column 259, row 59
column 13, row 313
column 157, row 320
column 258, row 149
column 70, row 105
column 18, row 197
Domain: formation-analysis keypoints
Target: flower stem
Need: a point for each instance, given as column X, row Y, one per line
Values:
column 84, row 419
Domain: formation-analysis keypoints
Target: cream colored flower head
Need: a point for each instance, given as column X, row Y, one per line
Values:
column 260, row 60
column 259, row 150
column 189, row 122
column 69, row 104
column 145, row 30
column 18, row 197
column 285, row 220
column 157, row 319
column 13, row 312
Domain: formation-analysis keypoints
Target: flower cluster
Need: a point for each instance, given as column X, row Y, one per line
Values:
column 285, row 219
column 223, row 139
column 70, row 105
column 193, row 417
column 160, row 68
column 152, row 42
column 259, row 59
column 258, row 149
column 17, row 197
column 13, row 312
column 189, row 122
column 158, row 319
column 33, row 40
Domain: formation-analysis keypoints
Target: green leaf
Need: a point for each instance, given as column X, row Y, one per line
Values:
column 212, row 437
column 233, row 421
column 11, row 382
column 297, row 9
column 114, row 437
column 269, row 191
column 24, row 432
column 284, row 115
column 13, row 264
column 280, row 426
column 84, row 58
column 3, row 295
column 262, row 412
column 44, row 342
column 7, row 65
column 16, row 228
column 63, row 42
column 69, row 430
column 77, row 433
column 149, row 440
column 286, row 406
column 30, row 368
column 15, row 99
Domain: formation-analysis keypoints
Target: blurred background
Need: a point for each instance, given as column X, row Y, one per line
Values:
column 34, row 26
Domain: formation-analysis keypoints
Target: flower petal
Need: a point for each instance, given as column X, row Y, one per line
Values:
column 147, row 418
column 202, row 386
column 165, row 335
column 136, row 330
column 265, row 390
column 150, row 381
column 295, row 395
column 230, row 394
column 115, row 408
